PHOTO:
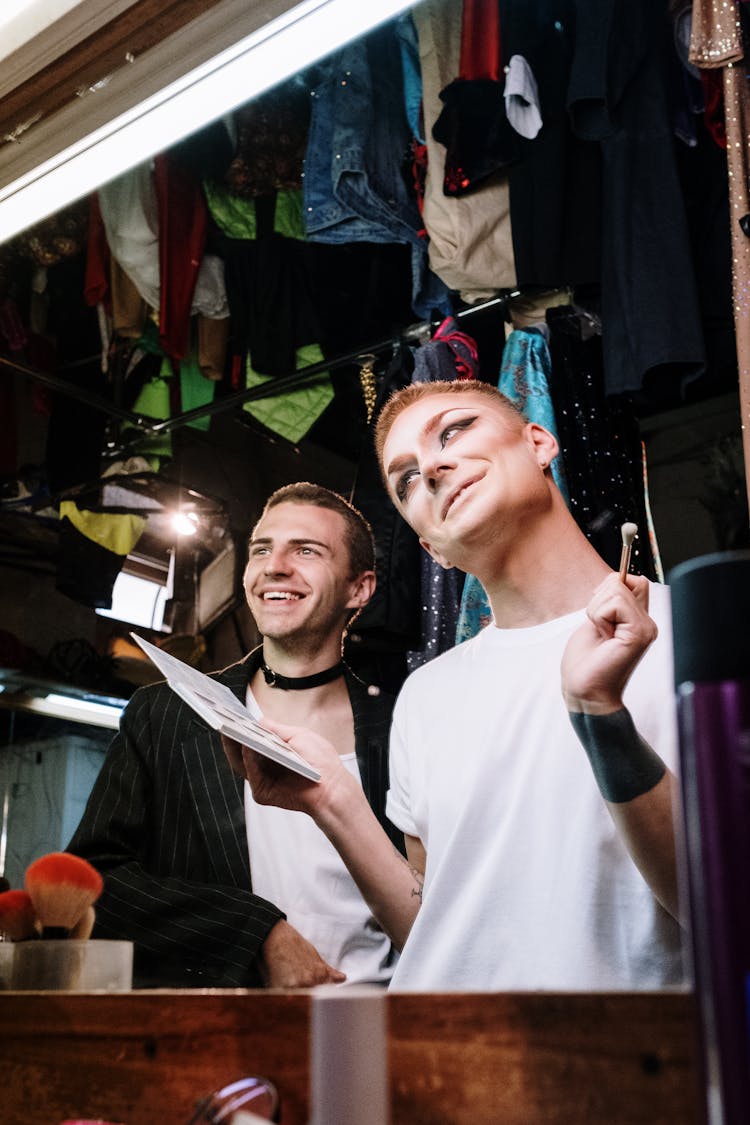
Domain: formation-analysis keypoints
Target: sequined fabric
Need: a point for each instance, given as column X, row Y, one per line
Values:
column 716, row 41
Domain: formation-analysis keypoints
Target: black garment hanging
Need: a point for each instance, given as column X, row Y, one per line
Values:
column 390, row 623
column 555, row 185
column 600, row 442
column 650, row 314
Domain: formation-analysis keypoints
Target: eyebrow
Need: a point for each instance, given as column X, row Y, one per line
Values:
column 431, row 425
column 267, row 541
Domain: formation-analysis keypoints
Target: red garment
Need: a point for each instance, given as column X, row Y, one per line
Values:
column 464, row 348
column 481, row 49
column 473, row 125
column 713, row 114
column 96, row 283
column 12, row 328
column 182, row 236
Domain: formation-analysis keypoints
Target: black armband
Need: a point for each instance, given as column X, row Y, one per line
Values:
column 624, row 764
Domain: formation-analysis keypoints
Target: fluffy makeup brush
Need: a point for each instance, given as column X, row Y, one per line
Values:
column 62, row 887
column 628, row 531
column 17, row 915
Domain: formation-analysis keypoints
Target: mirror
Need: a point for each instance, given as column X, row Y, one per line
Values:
column 223, row 462
column 47, row 768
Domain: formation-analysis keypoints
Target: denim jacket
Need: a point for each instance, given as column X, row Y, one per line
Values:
column 355, row 187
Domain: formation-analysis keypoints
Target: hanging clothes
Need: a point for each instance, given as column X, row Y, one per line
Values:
column 650, row 314
column 470, row 237
column 451, row 354
column 267, row 268
column 389, row 625
column 358, row 149
column 600, row 442
column 272, row 135
column 293, row 413
column 555, row 184
column 76, row 432
column 717, row 42
column 473, row 124
column 162, row 260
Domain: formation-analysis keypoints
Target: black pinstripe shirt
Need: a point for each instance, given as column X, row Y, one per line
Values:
column 165, row 825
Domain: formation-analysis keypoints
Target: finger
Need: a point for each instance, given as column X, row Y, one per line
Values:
column 625, row 599
column 257, row 766
column 283, row 730
column 623, row 620
column 640, row 587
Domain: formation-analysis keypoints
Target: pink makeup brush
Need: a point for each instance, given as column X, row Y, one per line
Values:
column 17, row 915
column 62, row 887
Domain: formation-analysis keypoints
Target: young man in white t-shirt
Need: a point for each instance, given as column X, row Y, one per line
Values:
column 532, row 768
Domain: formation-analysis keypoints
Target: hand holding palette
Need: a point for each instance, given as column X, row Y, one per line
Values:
column 223, row 711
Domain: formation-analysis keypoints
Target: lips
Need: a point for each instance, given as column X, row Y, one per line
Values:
column 455, row 495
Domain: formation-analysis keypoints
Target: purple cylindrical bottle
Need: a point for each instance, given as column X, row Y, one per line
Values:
column 711, row 623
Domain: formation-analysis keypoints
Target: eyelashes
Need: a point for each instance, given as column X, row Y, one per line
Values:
column 444, row 437
column 403, row 485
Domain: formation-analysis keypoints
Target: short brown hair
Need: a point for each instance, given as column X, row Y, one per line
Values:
column 417, row 391
column 358, row 536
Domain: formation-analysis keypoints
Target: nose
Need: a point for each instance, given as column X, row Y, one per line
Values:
column 434, row 469
column 276, row 562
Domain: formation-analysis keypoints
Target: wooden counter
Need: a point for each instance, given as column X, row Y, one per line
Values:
column 143, row 1058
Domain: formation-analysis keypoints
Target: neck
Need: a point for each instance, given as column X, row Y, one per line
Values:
column 548, row 574
column 276, row 680
column 296, row 662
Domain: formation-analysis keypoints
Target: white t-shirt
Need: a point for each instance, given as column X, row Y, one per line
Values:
column 296, row 867
column 528, row 885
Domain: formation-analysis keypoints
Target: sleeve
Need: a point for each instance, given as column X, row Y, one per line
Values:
column 398, row 799
column 650, row 694
column 186, row 931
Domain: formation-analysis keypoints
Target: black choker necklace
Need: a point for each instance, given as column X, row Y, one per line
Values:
column 299, row 683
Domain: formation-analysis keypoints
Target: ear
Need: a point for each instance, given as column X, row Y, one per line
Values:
column 438, row 556
column 543, row 444
column 362, row 589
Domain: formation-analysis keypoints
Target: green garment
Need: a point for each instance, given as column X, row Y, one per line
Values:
column 292, row 413
column 195, row 390
column 235, row 216
column 114, row 532
column 153, row 402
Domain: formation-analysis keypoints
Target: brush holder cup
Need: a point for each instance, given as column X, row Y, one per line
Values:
column 6, row 963
column 72, row 966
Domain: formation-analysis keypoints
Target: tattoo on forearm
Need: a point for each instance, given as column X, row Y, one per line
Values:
column 624, row 765
column 416, row 891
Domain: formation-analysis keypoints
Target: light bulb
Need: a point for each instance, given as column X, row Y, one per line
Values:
column 185, row 523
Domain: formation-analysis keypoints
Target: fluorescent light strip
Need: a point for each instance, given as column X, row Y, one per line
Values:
column 77, row 710
column 279, row 49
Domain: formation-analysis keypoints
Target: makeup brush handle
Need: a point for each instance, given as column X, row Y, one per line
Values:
column 628, row 531
column 84, row 926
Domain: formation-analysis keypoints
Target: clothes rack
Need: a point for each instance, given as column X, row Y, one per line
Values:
column 151, row 427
